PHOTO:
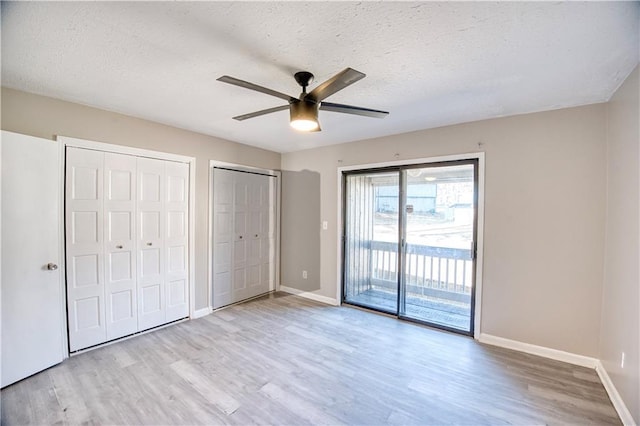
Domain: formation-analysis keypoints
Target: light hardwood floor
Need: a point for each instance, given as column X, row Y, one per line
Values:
column 286, row 360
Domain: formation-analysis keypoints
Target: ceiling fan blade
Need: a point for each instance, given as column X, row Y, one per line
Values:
column 262, row 112
column 251, row 86
column 339, row 81
column 350, row 109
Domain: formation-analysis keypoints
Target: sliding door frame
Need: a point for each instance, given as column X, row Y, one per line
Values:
column 399, row 165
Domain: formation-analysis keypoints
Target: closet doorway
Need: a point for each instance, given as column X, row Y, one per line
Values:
column 410, row 239
column 244, row 222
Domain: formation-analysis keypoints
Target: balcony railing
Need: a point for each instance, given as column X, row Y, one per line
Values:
column 438, row 272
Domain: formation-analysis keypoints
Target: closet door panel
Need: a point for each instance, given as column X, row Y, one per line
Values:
column 241, row 212
column 257, row 212
column 150, row 243
column 176, row 241
column 223, row 236
column 120, row 245
column 84, row 214
column 268, row 240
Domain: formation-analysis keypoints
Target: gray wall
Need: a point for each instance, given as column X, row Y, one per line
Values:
column 620, row 330
column 300, row 235
column 46, row 117
column 544, row 218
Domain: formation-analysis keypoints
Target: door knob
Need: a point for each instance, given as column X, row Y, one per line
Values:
column 149, row 244
column 118, row 247
column 52, row 266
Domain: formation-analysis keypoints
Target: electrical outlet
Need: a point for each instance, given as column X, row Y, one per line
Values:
column 325, row 225
column 622, row 360
column 304, row 275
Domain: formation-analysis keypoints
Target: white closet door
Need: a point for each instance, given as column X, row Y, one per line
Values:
column 151, row 223
column 223, row 236
column 120, row 244
column 176, row 241
column 85, row 248
column 243, row 236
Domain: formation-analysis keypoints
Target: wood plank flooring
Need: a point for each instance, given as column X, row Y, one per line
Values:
column 286, row 360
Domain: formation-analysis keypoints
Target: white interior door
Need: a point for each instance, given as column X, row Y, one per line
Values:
column 151, row 223
column 84, row 209
column 32, row 318
column 176, row 209
column 120, row 244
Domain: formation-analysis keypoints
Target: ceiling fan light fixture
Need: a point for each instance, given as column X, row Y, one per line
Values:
column 304, row 116
column 304, row 109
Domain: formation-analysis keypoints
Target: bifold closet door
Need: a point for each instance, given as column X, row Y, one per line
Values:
column 162, row 242
column 241, row 189
column 151, row 220
column 261, row 238
column 176, row 210
column 101, row 257
column 120, row 245
column 84, row 211
column 254, row 238
column 243, row 236
column 223, row 181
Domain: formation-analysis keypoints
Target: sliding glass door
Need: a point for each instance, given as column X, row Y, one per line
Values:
column 439, row 244
column 371, row 240
column 409, row 242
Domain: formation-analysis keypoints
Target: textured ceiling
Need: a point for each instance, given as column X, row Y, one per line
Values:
column 430, row 64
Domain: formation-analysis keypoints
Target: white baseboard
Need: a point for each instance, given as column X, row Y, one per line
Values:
column 309, row 295
column 542, row 351
column 201, row 313
column 614, row 396
column 581, row 360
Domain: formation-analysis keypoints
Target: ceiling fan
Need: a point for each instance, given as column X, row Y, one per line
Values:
column 304, row 109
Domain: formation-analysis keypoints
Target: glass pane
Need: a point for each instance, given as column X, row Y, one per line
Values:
column 371, row 240
column 438, row 264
